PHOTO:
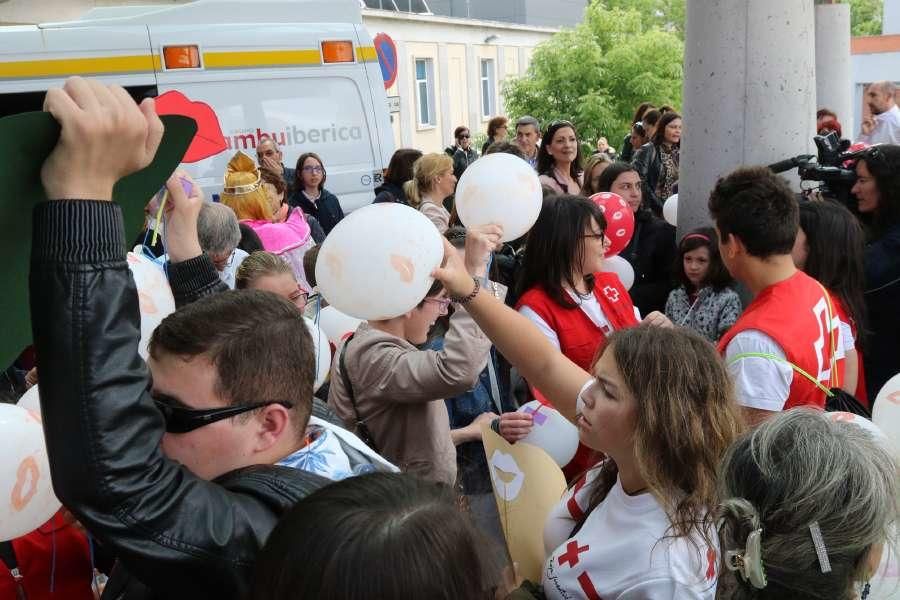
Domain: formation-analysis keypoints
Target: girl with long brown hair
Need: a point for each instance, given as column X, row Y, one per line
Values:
column 659, row 404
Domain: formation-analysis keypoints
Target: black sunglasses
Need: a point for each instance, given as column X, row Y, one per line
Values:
column 182, row 420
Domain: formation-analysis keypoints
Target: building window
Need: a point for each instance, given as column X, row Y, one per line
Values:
column 488, row 86
column 409, row 6
column 425, row 92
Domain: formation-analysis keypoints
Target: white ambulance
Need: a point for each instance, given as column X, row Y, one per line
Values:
column 304, row 72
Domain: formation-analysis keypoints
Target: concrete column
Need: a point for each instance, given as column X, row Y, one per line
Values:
column 891, row 18
column 833, row 84
column 749, row 92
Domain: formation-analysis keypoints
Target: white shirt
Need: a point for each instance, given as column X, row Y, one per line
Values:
column 620, row 552
column 228, row 273
column 763, row 383
column 887, row 128
column 589, row 305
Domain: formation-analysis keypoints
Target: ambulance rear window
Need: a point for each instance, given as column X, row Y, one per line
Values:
column 13, row 104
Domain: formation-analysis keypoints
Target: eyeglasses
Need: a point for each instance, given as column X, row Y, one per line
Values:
column 311, row 169
column 295, row 296
column 180, row 419
column 594, row 235
column 464, row 136
column 221, row 261
column 443, row 303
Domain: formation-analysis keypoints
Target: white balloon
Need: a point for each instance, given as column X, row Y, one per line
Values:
column 670, row 210
column 886, row 412
column 502, row 189
column 622, row 268
column 551, row 432
column 336, row 324
column 31, row 400
column 858, row 421
column 322, row 351
column 154, row 296
column 26, row 492
column 377, row 262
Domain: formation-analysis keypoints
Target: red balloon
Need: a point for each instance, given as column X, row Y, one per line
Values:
column 619, row 220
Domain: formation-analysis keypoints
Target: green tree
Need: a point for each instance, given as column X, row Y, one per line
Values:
column 865, row 16
column 595, row 74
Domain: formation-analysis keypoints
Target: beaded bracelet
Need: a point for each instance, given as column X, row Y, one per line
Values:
column 470, row 297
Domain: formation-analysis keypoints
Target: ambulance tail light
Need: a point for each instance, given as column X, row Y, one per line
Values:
column 181, row 57
column 337, row 52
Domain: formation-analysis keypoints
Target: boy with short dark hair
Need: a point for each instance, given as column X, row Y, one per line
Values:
column 791, row 324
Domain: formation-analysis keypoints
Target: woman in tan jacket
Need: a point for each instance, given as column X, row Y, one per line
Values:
column 392, row 394
column 433, row 180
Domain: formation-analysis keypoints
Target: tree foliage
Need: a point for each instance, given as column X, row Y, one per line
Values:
column 595, row 74
column 865, row 16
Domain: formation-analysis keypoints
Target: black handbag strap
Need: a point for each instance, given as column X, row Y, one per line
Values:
column 361, row 426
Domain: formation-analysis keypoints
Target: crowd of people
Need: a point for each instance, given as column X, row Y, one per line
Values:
column 708, row 464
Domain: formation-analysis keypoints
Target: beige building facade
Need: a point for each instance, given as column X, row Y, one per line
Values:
column 450, row 72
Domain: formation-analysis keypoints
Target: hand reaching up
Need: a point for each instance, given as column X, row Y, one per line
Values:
column 104, row 137
column 182, row 209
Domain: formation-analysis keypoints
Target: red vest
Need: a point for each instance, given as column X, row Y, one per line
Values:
column 579, row 338
column 860, row 393
column 794, row 313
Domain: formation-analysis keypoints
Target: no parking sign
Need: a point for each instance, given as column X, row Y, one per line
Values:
column 387, row 58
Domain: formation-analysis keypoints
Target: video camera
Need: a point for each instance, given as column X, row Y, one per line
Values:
column 827, row 167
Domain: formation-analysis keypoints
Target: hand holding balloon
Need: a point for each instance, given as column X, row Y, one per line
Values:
column 480, row 242
column 182, row 210
column 515, row 425
column 453, row 273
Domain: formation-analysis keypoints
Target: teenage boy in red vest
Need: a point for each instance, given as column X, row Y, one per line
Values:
column 790, row 320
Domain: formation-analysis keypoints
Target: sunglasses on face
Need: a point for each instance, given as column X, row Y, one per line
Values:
column 464, row 136
column 180, row 419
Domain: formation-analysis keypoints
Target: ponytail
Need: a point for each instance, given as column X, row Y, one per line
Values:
column 411, row 189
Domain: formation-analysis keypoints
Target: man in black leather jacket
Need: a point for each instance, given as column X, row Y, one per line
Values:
column 175, row 534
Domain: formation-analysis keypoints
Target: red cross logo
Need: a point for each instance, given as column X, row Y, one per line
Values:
column 611, row 293
column 571, row 554
column 587, row 586
column 710, row 564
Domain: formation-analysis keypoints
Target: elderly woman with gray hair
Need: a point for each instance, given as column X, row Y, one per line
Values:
column 809, row 509
column 219, row 233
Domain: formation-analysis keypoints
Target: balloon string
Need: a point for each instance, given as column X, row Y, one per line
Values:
column 90, row 541
column 53, row 561
column 159, row 213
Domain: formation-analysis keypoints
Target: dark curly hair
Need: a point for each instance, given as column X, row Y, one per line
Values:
column 756, row 206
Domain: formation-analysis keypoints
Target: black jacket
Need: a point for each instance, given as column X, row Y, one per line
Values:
column 327, row 209
column 626, row 154
column 390, row 192
column 882, row 345
column 462, row 159
column 174, row 535
column 651, row 253
column 648, row 163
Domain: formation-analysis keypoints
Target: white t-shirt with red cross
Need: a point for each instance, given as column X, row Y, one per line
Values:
column 621, row 552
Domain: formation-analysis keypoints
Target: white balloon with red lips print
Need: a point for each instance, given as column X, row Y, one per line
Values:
column 377, row 262
column 499, row 189
column 27, row 500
